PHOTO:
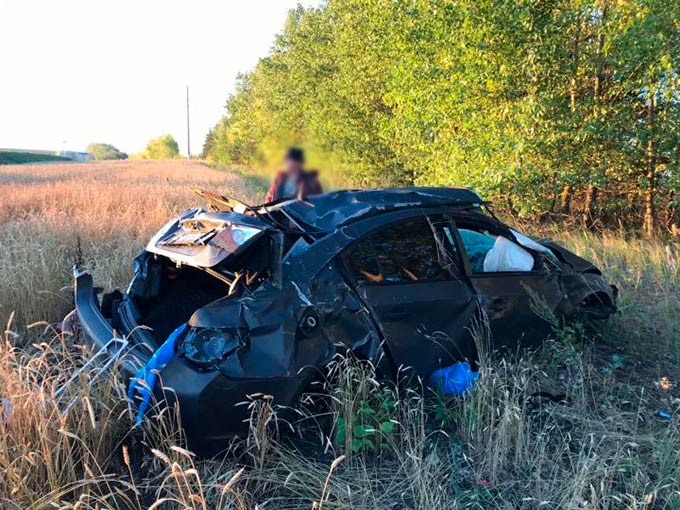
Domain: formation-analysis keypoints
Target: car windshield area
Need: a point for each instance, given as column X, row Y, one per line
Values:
column 416, row 250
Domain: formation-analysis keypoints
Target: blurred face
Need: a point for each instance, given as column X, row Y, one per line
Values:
column 292, row 167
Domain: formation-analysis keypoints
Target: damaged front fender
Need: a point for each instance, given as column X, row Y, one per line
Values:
column 588, row 295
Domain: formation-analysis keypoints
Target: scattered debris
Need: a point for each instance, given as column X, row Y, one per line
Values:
column 664, row 415
column 454, row 380
column 143, row 383
column 5, row 409
column 614, row 363
column 539, row 398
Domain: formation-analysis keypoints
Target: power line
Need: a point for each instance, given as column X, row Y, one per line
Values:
column 188, row 130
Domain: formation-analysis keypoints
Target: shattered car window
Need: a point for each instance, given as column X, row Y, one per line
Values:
column 364, row 262
column 490, row 253
column 477, row 245
column 447, row 252
column 404, row 252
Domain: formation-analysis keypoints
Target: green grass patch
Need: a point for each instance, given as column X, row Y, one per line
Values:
column 19, row 158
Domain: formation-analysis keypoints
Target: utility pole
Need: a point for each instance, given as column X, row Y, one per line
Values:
column 188, row 135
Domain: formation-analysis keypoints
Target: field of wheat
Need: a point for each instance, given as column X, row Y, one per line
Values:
column 611, row 441
column 102, row 212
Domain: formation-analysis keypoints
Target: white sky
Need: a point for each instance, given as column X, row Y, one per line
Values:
column 79, row 71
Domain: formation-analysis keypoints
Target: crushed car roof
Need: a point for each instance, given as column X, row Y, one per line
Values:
column 329, row 211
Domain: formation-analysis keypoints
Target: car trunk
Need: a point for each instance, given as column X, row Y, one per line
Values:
column 191, row 262
column 182, row 291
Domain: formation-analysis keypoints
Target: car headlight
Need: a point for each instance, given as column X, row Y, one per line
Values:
column 207, row 346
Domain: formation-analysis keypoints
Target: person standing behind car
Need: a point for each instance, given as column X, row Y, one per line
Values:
column 293, row 181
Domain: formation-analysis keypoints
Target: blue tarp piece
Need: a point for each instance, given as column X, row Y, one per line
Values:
column 143, row 382
column 454, row 380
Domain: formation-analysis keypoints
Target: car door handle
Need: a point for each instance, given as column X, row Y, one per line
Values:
column 497, row 305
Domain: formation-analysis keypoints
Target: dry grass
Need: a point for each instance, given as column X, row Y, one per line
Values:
column 104, row 212
column 602, row 447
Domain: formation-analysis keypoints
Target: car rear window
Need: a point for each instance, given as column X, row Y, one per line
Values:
column 401, row 252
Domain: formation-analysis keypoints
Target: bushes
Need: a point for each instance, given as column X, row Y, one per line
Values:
column 103, row 151
column 163, row 147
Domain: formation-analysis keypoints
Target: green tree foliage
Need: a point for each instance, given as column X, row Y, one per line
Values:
column 551, row 108
column 163, row 147
column 102, row 151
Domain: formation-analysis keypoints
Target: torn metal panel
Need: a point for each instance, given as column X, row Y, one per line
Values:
column 344, row 318
column 267, row 323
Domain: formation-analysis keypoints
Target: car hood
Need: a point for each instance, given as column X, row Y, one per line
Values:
column 204, row 239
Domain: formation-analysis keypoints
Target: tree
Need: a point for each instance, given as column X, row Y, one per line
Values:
column 163, row 147
column 103, row 151
column 566, row 108
column 208, row 144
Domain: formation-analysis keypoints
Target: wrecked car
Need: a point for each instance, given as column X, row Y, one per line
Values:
column 257, row 299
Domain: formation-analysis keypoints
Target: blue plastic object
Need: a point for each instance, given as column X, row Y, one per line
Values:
column 455, row 379
column 664, row 415
column 143, row 382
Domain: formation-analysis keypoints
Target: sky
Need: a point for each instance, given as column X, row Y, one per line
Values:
column 74, row 72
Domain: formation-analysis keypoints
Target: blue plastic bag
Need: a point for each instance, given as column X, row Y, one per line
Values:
column 455, row 379
column 144, row 381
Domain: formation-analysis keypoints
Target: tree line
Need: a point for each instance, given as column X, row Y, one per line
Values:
column 162, row 147
column 555, row 109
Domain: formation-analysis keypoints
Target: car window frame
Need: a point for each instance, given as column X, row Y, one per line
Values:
column 459, row 267
column 539, row 266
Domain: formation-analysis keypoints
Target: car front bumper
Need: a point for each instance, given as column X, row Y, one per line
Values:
column 213, row 408
column 99, row 333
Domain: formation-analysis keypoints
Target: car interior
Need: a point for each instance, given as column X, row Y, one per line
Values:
column 425, row 249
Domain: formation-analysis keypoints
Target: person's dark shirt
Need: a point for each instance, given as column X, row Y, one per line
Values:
column 307, row 184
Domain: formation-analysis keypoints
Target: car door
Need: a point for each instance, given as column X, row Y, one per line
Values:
column 516, row 301
column 409, row 275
